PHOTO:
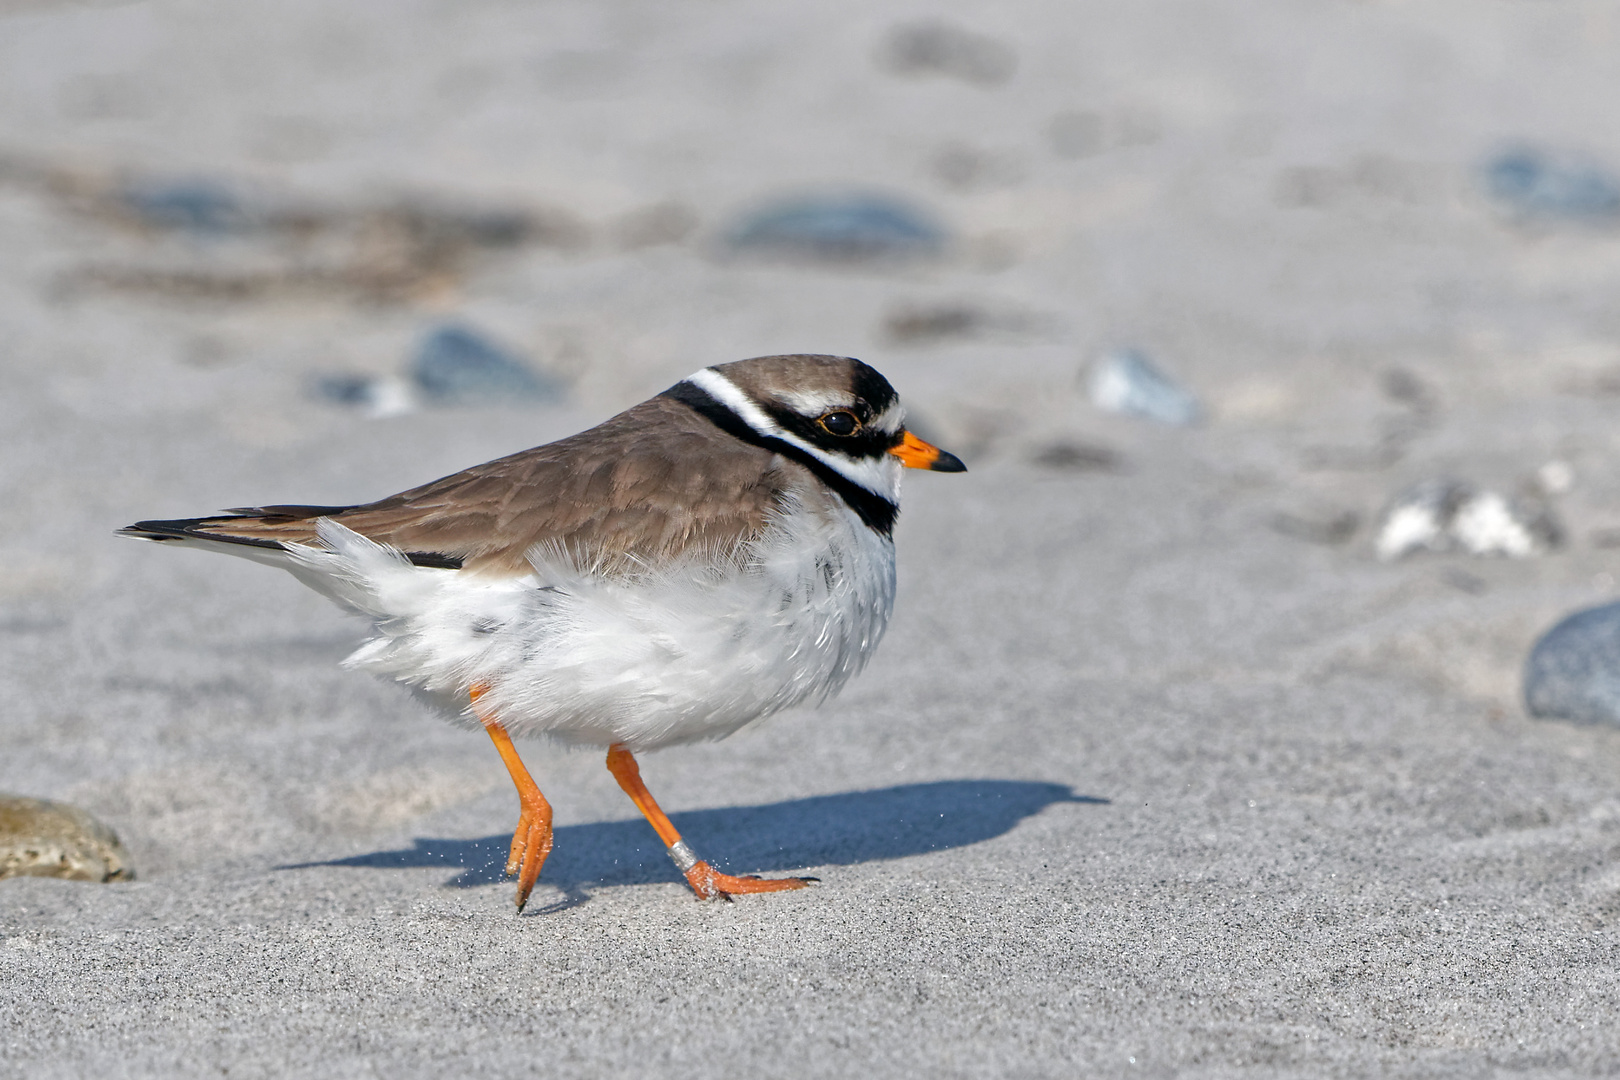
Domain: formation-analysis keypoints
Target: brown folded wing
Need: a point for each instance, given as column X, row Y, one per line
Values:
column 649, row 484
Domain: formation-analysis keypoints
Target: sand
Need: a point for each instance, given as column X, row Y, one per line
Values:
column 1160, row 771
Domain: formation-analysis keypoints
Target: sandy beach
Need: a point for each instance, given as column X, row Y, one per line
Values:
column 1160, row 771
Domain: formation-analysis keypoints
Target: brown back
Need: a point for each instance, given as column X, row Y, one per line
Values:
column 651, row 483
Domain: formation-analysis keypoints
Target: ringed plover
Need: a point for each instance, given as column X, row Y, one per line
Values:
column 711, row 556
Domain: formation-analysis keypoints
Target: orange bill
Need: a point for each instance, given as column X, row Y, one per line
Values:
column 916, row 454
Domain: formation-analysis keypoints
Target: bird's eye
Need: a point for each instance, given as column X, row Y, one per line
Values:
column 839, row 422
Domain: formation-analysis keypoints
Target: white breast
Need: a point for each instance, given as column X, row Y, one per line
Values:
column 690, row 651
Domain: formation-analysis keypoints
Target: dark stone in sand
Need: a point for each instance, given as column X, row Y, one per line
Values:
column 1574, row 670
column 457, row 366
column 1076, row 457
column 200, row 206
column 937, row 48
column 355, row 391
column 840, row 228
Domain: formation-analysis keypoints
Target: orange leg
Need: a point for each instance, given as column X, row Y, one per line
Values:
column 531, row 842
column 705, row 880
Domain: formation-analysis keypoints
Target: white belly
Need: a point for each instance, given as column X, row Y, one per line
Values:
column 691, row 651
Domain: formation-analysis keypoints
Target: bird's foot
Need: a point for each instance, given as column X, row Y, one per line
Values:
column 710, row 883
column 531, row 843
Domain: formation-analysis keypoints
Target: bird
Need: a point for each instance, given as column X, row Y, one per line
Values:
column 716, row 554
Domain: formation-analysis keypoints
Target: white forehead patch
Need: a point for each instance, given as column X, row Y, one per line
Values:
column 880, row 475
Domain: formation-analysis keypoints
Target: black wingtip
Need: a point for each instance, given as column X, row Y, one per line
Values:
column 150, row 530
column 187, row 529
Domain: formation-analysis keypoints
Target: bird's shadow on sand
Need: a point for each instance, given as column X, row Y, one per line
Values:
column 827, row 830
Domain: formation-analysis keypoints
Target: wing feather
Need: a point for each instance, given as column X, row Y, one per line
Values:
column 642, row 488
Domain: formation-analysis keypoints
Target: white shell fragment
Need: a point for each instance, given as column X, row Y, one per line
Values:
column 1125, row 382
column 1449, row 515
column 1489, row 524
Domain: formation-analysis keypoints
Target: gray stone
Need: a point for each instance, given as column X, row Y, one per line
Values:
column 458, row 366
column 39, row 838
column 937, row 48
column 1076, row 457
column 839, row 228
column 1574, row 670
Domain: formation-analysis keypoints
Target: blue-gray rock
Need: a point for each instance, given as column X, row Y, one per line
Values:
column 457, row 366
column 1125, row 382
column 840, row 228
column 1574, row 671
column 1533, row 183
column 198, row 206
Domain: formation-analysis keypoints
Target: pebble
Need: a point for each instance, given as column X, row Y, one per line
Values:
column 455, row 365
column 840, row 228
column 50, row 839
column 911, row 325
column 198, row 206
column 1531, row 182
column 1125, row 382
column 1573, row 672
column 1076, row 457
column 938, row 48
column 1450, row 515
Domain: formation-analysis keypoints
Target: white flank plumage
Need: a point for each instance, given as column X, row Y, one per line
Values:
column 690, row 651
